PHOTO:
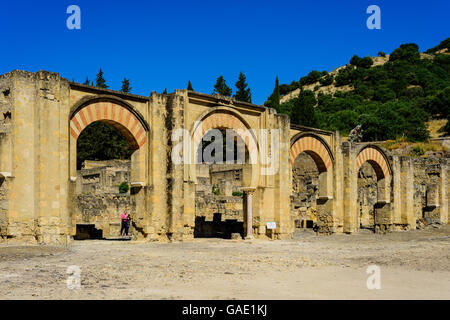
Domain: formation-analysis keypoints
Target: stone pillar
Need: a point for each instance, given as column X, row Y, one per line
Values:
column 248, row 201
column 350, row 189
column 444, row 194
column 407, row 182
column 397, row 205
column 338, row 190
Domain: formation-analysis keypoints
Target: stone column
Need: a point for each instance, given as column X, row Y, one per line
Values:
column 444, row 194
column 248, row 192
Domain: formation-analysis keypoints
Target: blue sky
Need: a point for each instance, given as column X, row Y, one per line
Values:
column 163, row 44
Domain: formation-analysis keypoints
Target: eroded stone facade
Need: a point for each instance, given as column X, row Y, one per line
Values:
column 42, row 116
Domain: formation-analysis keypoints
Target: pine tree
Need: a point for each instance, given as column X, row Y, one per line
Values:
column 100, row 81
column 221, row 87
column 242, row 93
column 87, row 82
column 165, row 91
column 189, row 87
column 126, row 88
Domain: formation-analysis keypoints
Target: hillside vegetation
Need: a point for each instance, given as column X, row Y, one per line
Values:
column 390, row 96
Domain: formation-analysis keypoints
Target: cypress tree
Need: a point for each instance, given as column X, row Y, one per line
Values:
column 165, row 91
column 221, row 87
column 275, row 98
column 87, row 82
column 189, row 87
column 243, row 92
column 126, row 88
column 100, row 81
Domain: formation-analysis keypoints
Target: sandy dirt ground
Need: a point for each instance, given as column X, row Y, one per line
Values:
column 413, row 265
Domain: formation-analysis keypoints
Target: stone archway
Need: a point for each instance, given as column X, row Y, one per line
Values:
column 377, row 159
column 224, row 118
column 135, row 130
column 317, row 149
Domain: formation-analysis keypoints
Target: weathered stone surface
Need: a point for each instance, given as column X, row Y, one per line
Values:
column 42, row 115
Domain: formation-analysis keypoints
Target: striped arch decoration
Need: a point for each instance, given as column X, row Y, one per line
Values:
column 373, row 155
column 116, row 115
column 319, row 153
column 222, row 120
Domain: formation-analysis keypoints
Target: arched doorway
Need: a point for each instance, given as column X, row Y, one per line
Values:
column 102, row 190
column 312, row 183
column 374, row 178
column 225, row 174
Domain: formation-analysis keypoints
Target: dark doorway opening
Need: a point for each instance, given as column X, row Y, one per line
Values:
column 88, row 232
column 217, row 228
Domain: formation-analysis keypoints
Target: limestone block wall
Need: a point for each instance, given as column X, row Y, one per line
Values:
column 103, row 211
column 102, row 177
column 305, row 190
column 37, row 192
column 3, row 208
column 38, row 197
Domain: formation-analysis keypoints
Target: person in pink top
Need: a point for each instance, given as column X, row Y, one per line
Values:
column 123, row 228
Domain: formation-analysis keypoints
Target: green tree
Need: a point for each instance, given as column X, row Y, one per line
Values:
column 165, row 91
column 243, row 92
column 100, row 82
column 408, row 52
column 275, row 97
column 87, row 82
column 126, row 88
column 303, row 112
column 189, row 87
column 101, row 141
column 311, row 78
column 124, row 187
column 221, row 87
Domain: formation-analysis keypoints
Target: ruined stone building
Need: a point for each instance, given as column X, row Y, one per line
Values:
column 98, row 200
column 295, row 176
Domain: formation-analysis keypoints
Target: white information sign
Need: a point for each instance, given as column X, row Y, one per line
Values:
column 271, row 225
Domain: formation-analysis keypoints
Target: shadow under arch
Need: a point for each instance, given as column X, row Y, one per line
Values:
column 379, row 162
column 221, row 117
column 376, row 157
column 322, row 159
column 320, row 152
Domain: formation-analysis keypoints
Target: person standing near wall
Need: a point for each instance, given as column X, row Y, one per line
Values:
column 127, row 229
column 124, row 225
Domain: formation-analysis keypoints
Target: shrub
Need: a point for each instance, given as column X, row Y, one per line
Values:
column 124, row 187
column 418, row 151
column 216, row 190
column 237, row 193
column 327, row 80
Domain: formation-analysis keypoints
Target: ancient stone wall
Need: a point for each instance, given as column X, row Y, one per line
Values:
column 103, row 211
column 42, row 115
column 214, row 193
column 305, row 191
column 3, row 208
column 103, row 176
column 367, row 195
column 427, row 179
